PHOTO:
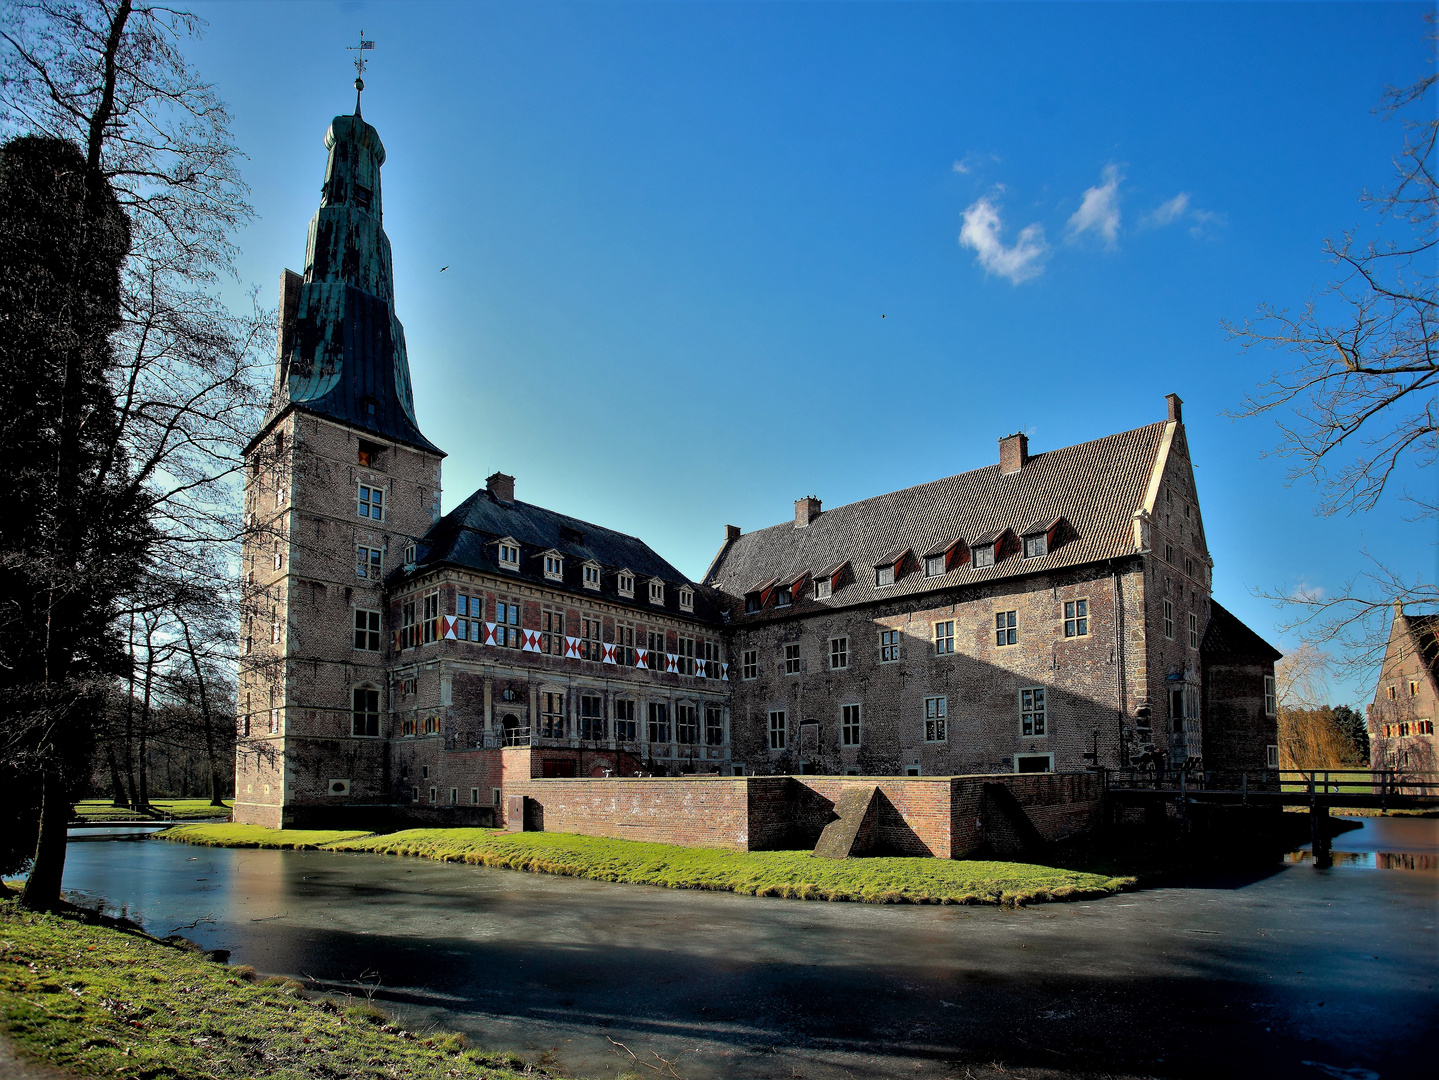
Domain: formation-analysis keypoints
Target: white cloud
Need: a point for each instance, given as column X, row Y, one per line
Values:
column 1306, row 593
column 962, row 166
column 969, row 161
column 1167, row 213
column 1099, row 210
column 981, row 233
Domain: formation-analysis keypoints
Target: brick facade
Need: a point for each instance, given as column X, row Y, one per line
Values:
column 1406, row 700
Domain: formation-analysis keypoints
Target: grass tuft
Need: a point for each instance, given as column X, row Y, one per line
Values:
column 257, row 836
column 96, row 1001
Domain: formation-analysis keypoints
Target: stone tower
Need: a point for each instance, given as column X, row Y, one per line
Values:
column 339, row 484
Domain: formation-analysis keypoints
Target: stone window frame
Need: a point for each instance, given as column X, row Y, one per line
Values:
column 656, row 591
column 474, row 796
column 793, row 663
column 890, row 640
column 585, row 723
column 624, row 643
column 1271, row 696
column 359, row 709
column 552, row 630
column 507, row 553
column 1169, row 620
column 685, row 652
column 1006, row 632
column 839, row 653
column 366, row 638
column 1036, row 754
column 625, row 584
column 658, row 721
column 749, row 665
column 778, row 729
column 548, row 697
column 943, row 642
column 590, row 573
column 1271, row 756
column 851, row 724
column 695, row 726
column 1075, row 619
column 714, row 708
column 934, row 566
column 369, row 502
column 1193, row 630
column 430, row 620
column 369, row 558
column 629, row 720
column 936, row 719
column 554, row 565
column 1037, row 712
column 687, row 598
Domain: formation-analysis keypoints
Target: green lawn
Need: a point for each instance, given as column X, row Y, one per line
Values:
column 182, row 809
column 794, row 874
column 257, row 836
column 101, row 1002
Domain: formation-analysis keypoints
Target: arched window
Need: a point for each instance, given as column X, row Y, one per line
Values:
column 365, row 712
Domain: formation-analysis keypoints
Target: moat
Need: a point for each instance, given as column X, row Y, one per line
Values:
column 1289, row 971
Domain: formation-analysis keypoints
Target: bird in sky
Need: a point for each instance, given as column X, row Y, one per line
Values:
column 444, row 268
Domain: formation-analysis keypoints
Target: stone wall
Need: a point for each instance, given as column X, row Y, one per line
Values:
column 694, row 812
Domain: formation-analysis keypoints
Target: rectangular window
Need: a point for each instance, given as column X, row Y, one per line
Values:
column 1423, row 727
column 1076, row 618
column 822, row 588
column 1176, row 708
column 1271, row 700
column 1169, row 554
column 1413, row 688
column 1193, row 630
column 784, row 597
column 275, row 631
column 591, row 576
column 935, row 710
column 368, row 563
column 657, row 592
column 454, row 796
column 1271, row 756
column 592, row 719
column 849, row 725
column 625, row 585
column 655, row 645
column 888, row 646
column 777, row 730
column 749, row 667
column 685, row 647
column 273, row 725
column 372, row 503
column 367, row 630
column 1031, row 711
column 552, row 715
column 507, row 625
column 659, row 722
column 624, row 644
column 984, row 555
column 751, row 603
column 409, row 629
column 883, row 575
column 838, row 653
column 1006, row 632
column 1035, row 546
column 470, row 618
column 714, row 660
column 791, row 659
column 554, row 567
column 1169, row 619
column 589, row 639
column 714, row 725
column 1189, row 566
column 933, row 565
column 474, row 796
column 625, row 720
column 365, row 712
column 509, row 556
column 944, row 637
column 431, row 625
column 552, row 632
column 687, row 725
column 496, row 796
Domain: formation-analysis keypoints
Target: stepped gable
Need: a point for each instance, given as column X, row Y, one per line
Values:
column 468, row 537
column 1227, row 636
column 1095, row 487
column 341, row 351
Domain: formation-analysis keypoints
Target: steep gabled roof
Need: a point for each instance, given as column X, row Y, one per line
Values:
column 1095, row 486
column 468, row 536
column 1227, row 636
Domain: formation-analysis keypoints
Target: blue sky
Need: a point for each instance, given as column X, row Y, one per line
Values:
column 707, row 258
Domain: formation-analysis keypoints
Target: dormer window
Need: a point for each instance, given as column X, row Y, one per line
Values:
column 410, row 554
column 887, row 570
column 687, row 598
column 657, row 591
column 933, row 565
column 943, row 558
column 784, row 596
column 752, row 602
column 509, row 555
column 986, row 548
column 1035, row 546
column 625, row 584
column 554, row 566
column 1039, row 537
column 823, row 590
column 591, row 575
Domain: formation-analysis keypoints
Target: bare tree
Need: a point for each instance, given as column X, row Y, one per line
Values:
column 191, row 379
column 1357, row 407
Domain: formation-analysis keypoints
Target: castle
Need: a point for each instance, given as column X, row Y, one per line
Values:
column 1050, row 612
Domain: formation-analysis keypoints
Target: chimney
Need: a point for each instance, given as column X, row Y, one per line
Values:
column 502, row 487
column 805, row 511
column 1176, row 407
column 1013, row 452
column 731, row 533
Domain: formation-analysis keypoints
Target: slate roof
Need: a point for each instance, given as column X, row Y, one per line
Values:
column 1424, row 634
column 1227, row 636
column 1095, row 486
column 468, row 536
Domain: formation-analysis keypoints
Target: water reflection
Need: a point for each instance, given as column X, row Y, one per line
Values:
column 1371, row 860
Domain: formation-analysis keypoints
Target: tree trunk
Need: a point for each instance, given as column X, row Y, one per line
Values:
column 42, row 888
column 215, row 781
column 117, row 791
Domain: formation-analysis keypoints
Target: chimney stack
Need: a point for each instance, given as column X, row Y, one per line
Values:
column 731, row 533
column 805, row 511
column 502, row 487
column 1013, row 452
column 1176, row 407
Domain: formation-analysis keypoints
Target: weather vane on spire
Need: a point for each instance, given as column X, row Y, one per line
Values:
column 360, row 62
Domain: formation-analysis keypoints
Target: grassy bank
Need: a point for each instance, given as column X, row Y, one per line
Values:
column 257, row 836
column 794, row 874
column 180, row 809
column 97, row 1001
